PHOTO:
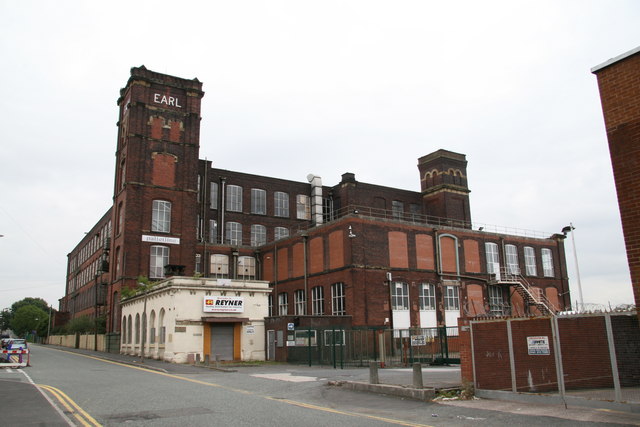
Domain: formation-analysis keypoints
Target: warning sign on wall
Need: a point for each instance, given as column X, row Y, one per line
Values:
column 538, row 346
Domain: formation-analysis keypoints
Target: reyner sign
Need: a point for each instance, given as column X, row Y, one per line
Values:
column 223, row 304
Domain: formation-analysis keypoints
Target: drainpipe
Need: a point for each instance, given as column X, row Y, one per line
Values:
column 223, row 182
column 305, row 238
column 204, row 218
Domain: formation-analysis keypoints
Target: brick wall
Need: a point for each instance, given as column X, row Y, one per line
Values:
column 619, row 85
column 584, row 351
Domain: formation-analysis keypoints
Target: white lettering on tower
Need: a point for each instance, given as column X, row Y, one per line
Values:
column 158, row 98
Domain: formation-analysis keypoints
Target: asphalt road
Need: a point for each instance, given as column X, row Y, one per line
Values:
column 82, row 389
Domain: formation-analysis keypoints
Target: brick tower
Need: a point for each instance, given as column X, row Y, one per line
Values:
column 443, row 182
column 154, row 211
column 619, row 84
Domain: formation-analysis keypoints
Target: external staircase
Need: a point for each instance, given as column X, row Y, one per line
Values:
column 532, row 296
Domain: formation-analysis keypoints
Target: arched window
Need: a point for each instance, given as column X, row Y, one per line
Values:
column 161, row 327
column 219, row 265
column 511, row 254
column 129, row 330
column 233, row 232
column 152, row 327
column 258, row 235
column 137, row 340
column 399, row 296
column 246, row 268
column 124, row 330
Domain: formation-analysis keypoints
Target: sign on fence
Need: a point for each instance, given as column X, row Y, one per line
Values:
column 538, row 345
column 417, row 340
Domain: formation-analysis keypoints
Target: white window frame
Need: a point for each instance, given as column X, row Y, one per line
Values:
column 511, row 255
column 547, row 263
column 283, row 304
column 219, row 265
column 258, row 235
column 530, row 261
column 493, row 258
column 159, row 258
column 258, row 201
column 399, row 296
column 300, row 302
column 397, row 209
column 280, row 233
column 213, row 195
column 496, row 300
column 198, row 268
column 317, row 301
column 161, row 216
column 246, row 267
column 234, row 198
column 451, row 295
column 281, row 204
column 303, row 206
column 213, row 231
column 427, row 296
column 233, row 233
column 338, row 299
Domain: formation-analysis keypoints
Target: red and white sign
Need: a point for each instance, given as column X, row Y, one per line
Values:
column 223, row 305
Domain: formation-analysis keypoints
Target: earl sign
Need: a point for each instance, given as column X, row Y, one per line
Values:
column 166, row 100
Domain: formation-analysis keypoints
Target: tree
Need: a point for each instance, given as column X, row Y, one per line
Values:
column 38, row 302
column 5, row 319
column 29, row 318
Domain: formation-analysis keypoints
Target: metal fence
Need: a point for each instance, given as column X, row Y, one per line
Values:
column 357, row 347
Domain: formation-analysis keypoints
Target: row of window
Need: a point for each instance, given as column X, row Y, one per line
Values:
column 131, row 332
column 233, row 201
column 427, row 296
column 85, row 276
column 338, row 306
column 512, row 263
column 91, row 247
column 233, row 234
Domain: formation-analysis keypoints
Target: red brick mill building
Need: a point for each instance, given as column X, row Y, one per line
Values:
column 619, row 85
column 353, row 254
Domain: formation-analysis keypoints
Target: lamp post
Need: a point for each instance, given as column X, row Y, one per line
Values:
column 570, row 228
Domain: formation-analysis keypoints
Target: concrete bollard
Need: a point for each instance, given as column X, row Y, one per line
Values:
column 417, row 375
column 206, row 360
column 217, row 361
column 373, row 373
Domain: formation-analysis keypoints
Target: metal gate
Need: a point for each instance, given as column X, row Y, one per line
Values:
column 357, row 347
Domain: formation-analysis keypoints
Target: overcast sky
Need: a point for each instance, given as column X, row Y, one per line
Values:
column 324, row 87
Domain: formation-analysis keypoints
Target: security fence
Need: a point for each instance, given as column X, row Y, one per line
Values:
column 592, row 356
column 357, row 347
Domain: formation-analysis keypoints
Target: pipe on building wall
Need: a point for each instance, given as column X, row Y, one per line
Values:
column 305, row 237
column 316, row 198
column 223, row 182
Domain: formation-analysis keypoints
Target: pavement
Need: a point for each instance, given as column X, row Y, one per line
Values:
column 395, row 382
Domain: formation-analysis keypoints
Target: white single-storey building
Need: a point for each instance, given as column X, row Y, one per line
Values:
column 194, row 318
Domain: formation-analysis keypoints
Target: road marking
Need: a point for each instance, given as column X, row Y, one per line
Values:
column 287, row 401
column 72, row 407
column 51, row 402
column 351, row 414
column 286, row 376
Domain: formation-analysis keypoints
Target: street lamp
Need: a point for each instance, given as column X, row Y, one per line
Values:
column 569, row 229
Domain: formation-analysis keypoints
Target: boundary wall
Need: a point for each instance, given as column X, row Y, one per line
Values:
column 563, row 354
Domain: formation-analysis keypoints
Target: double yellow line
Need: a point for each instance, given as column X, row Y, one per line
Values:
column 71, row 407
